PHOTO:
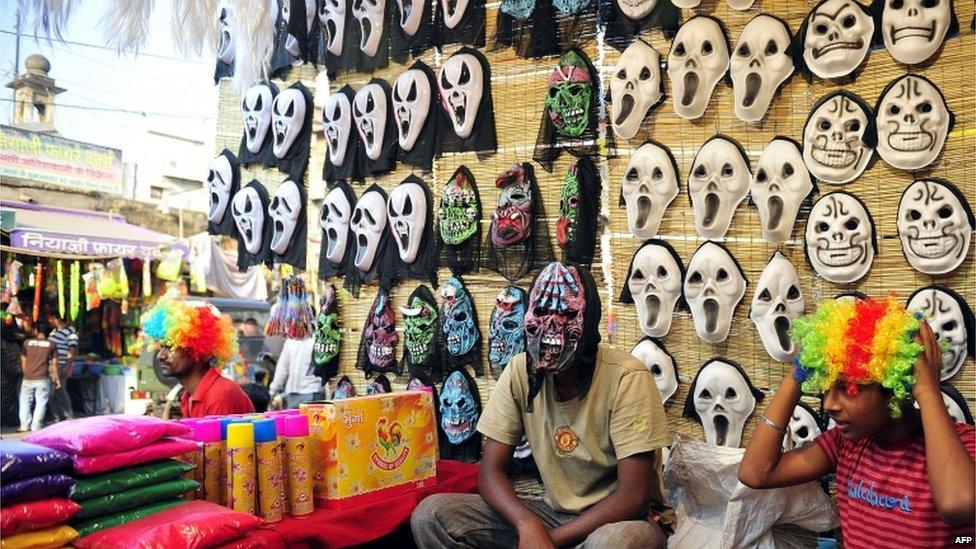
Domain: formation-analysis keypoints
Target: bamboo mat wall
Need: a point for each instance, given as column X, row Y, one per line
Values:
column 518, row 88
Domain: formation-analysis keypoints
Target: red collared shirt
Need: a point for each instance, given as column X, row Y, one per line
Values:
column 215, row 395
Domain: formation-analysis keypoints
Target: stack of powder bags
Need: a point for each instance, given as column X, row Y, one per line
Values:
column 33, row 502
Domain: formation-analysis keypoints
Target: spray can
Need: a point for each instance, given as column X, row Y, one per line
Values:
column 240, row 467
column 207, row 431
column 299, row 465
column 271, row 476
column 280, row 429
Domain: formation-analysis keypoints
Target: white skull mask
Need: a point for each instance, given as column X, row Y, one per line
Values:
column 454, row 11
column 717, row 183
column 411, row 15
column 336, row 215
column 838, row 138
column 220, row 182
column 288, row 115
column 840, row 238
column 649, row 186
column 248, row 212
column 337, row 118
column 723, row 399
column 661, row 365
column 781, row 183
column 760, row 62
column 837, row 38
column 935, row 226
column 913, row 122
column 368, row 223
column 462, row 85
column 371, row 15
column 950, row 319
column 284, row 210
column 407, row 211
column 636, row 9
column 370, row 111
column 803, row 427
column 256, row 107
column 332, row 16
column 698, row 59
column 411, row 105
column 635, row 87
column 714, row 285
column 654, row 284
column 913, row 30
column 225, row 44
column 777, row 303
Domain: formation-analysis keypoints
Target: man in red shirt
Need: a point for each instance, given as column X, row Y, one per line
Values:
column 205, row 391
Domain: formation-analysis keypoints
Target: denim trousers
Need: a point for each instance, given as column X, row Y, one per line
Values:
column 33, row 395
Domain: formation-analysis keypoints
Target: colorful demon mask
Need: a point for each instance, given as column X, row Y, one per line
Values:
column 379, row 337
column 951, row 320
column 460, row 408
column 839, row 137
column 777, row 303
column 803, row 427
column 458, row 215
column 913, row 121
column 836, row 38
column 714, row 285
column 913, row 30
column 576, row 226
column 506, row 330
column 760, row 62
column 512, row 220
column 420, row 326
column 327, row 337
column 344, row 389
column 459, row 325
column 570, row 96
column 661, row 364
column 635, row 87
column 569, row 208
column 698, row 59
column 717, row 184
column 380, row 385
column 721, row 399
column 554, row 318
column 654, row 286
column 649, row 186
column 781, row 183
column 935, row 224
column 840, row 238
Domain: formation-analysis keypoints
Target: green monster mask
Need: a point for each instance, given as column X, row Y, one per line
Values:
column 568, row 208
column 327, row 335
column 570, row 95
column 458, row 214
column 420, row 325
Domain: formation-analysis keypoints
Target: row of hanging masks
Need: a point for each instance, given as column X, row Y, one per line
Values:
column 277, row 128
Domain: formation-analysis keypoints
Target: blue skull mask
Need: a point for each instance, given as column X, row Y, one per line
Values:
column 506, row 331
column 459, row 327
column 519, row 9
column 459, row 408
column 570, row 7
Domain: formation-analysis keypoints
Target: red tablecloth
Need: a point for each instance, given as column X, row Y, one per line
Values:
column 361, row 524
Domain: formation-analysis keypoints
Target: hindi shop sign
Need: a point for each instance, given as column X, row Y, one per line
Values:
column 43, row 158
column 92, row 246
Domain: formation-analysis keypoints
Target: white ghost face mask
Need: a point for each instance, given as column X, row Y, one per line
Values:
column 714, row 285
column 723, row 399
column 717, row 183
column 913, row 122
column 371, row 15
column 840, row 240
column 913, row 30
column 761, row 61
column 256, row 107
column 411, row 106
column 332, row 16
column 336, row 215
column 249, row 214
column 369, row 111
column 698, row 59
column 367, row 224
column 462, row 85
column 935, row 226
column 803, row 427
column 839, row 138
column 454, row 11
column 837, row 38
column 407, row 211
column 411, row 15
column 337, row 118
column 635, row 87
column 661, row 365
column 288, row 117
column 649, row 186
column 950, row 319
column 220, row 182
column 654, row 286
column 225, row 44
column 636, row 9
column 781, row 183
column 777, row 303
column 284, row 210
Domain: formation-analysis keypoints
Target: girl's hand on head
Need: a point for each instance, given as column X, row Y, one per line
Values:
column 928, row 366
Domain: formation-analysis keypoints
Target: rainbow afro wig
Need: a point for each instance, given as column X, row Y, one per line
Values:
column 866, row 340
column 201, row 330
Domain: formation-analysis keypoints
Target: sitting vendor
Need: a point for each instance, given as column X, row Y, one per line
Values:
column 193, row 342
column 594, row 419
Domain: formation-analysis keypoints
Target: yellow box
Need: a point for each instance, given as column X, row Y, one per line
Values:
column 371, row 447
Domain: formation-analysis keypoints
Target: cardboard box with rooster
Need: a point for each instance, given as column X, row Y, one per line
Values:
column 367, row 448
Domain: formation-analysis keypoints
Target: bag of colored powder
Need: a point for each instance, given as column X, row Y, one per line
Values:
column 50, row 538
column 35, row 515
column 20, row 459
column 161, row 449
column 125, row 479
column 34, row 488
column 136, row 497
column 91, row 526
column 97, row 435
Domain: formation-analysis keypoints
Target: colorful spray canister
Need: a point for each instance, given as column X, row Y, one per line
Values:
column 214, row 481
column 280, row 430
column 240, row 467
column 271, row 476
column 299, row 465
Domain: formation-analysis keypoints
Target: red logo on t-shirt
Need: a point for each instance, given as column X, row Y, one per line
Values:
column 566, row 439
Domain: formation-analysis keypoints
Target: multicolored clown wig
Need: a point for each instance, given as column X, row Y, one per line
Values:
column 867, row 341
column 200, row 330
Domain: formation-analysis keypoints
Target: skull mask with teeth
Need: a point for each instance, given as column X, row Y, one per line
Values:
column 721, row 399
column 287, row 213
column 379, row 340
column 519, row 235
column 951, row 319
column 337, row 246
column 223, row 181
column 459, row 326
column 935, row 224
column 373, row 115
column 256, row 142
column 506, row 330
column 460, row 407
column 698, row 59
column 653, row 284
column 840, row 238
column 913, row 121
column 913, row 30
column 777, row 303
column 760, row 63
column 713, row 286
column 459, row 222
column 325, row 351
column 781, row 183
column 660, row 363
column 718, row 182
column 420, row 329
column 249, row 208
column 554, row 318
column 839, row 138
column 291, row 117
column 343, row 144
column 414, row 111
column 835, row 38
column 650, row 184
column 569, row 114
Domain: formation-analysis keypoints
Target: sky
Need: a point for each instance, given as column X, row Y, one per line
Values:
column 101, row 84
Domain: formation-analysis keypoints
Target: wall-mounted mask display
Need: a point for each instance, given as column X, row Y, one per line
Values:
column 518, row 239
column 293, row 28
column 713, row 287
column 698, row 59
column 803, row 427
column 761, row 62
column 256, row 143
column 411, row 221
column 569, row 115
column 223, row 181
column 913, row 121
column 635, row 87
column 459, row 333
column 342, row 162
column 653, row 285
column 722, row 398
column 377, row 346
column 328, row 339
column 338, row 243
column 414, row 108
column 411, row 32
column 840, row 238
column 467, row 116
column 459, row 22
column 459, row 222
column 780, row 184
column 291, row 119
column 506, row 329
column 368, row 226
column 579, row 206
column 661, row 364
column 420, row 332
column 226, row 49
column 836, row 38
column 777, row 303
column 935, row 225
column 951, row 319
column 460, row 407
column 914, row 30
column 717, row 184
column 372, row 112
column 839, row 138
column 649, row 185
column 286, row 213
column 249, row 207
column 373, row 18
column 554, row 318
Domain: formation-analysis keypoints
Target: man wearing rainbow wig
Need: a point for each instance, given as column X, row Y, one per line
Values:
column 193, row 341
column 905, row 476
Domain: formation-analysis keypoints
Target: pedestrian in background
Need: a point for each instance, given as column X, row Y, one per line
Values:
column 65, row 339
column 39, row 362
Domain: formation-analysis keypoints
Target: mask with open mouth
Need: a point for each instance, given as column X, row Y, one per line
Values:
column 411, row 15
column 698, row 59
column 370, row 109
column 459, row 222
column 287, row 213
column 256, row 112
column 660, row 363
column 935, row 225
column 554, row 317
column 368, row 224
column 760, row 63
column 460, row 407
column 461, row 84
column 332, row 17
column 226, row 49
column 722, row 398
column 913, row 122
column 650, row 184
column 328, row 340
column 335, row 221
column 568, row 102
column 777, row 303
column 379, row 341
column 338, row 122
column 506, row 330
column 654, row 286
column 249, row 207
column 291, row 119
column 459, row 325
column 836, row 38
column 951, row 319
column 512, row 220
column 419, row 328
column 223, row 181
column 371, row 15
column 840, row 238
column 635, row 87
column 839, row 137
column 714, row 285
column 717, row 183
column 803, row 426
column 913, row 30
column 778, row 188
column 636, row 9
column 408, row 211
column 412, row 102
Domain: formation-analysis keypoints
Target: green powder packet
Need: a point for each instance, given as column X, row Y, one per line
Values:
column 136, row 497
column 125, row 479
column 91, row 526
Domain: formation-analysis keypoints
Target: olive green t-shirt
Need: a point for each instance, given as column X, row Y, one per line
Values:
column 576, row 444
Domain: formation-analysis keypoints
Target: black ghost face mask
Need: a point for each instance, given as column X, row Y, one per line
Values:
column 289, row 233
column 371, row 238
column 343, row 159
column 256, row 143
column 249, row 208
column 467, row 117
column 338, row 243
column 372, row 20
column 372, row 112
column 409, row 212
column 337, row 39
column 223, row 182
column 291, row 129
column 459, row 223
column 295, row 23
column 414, row 98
